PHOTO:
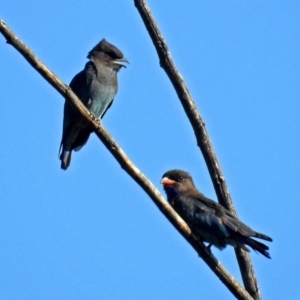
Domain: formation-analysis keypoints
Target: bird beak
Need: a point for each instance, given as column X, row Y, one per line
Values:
column 121, row 62
column 167, row 181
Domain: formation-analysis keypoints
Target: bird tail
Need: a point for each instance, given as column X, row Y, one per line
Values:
column 65, row 158
column 263, row 236
column 258, row 246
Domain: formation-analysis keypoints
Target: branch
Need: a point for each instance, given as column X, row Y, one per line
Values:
column 128, row 165
column 201, row 134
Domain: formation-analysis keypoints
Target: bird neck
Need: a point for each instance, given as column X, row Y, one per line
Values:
column 171, row 192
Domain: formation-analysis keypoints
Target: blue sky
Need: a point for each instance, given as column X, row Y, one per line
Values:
column 91, row 232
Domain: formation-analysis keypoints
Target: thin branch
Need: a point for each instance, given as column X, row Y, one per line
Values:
column 201, row 134
column 128, row 165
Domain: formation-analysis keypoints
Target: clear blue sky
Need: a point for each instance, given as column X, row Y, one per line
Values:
column 91, row 232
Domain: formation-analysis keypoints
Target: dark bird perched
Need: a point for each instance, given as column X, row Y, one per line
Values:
column 210, row 220
column 96, row 86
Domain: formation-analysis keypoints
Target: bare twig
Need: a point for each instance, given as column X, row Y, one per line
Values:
column 202, row 137
column 128, row 165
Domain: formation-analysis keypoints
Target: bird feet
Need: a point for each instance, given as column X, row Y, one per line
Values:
column 95, row 118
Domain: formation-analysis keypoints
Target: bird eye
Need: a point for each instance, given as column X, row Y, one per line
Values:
column 111, row 54
column 180, row 178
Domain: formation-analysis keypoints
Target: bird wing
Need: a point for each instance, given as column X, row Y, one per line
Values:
column 80, row 85
column 90, row 71
column 202, row 216
column 221, row 216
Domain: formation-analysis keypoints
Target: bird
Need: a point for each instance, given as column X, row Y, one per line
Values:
column 95, row 86
column 212, row 222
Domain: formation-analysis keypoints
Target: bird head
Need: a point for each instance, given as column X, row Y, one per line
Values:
column 109, row 54
column 177, row 182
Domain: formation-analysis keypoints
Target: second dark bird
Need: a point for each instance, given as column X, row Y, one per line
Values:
column 210, row 220
column 96, row 86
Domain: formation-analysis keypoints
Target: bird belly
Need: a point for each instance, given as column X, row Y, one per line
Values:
column 100, row 101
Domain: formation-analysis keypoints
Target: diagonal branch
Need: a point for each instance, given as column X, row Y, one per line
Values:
column 128, row 166
column 201, row 134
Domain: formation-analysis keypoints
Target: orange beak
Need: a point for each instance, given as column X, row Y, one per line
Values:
column 167, row 181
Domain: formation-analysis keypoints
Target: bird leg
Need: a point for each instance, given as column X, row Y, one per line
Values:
column 208, row 247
